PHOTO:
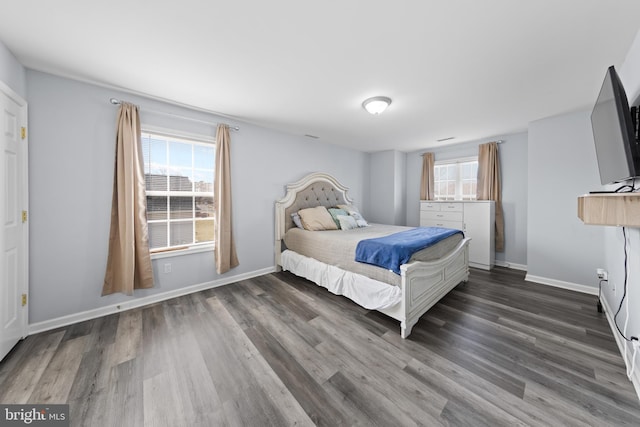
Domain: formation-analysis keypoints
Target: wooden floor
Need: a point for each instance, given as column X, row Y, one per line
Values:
column 278, row 350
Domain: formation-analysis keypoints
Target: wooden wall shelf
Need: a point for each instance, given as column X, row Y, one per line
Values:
column 618, row 209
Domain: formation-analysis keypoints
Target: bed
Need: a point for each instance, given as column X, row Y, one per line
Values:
column 327, row 258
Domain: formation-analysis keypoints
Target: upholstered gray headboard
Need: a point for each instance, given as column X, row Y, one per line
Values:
column 316, row 189
column 315, row 194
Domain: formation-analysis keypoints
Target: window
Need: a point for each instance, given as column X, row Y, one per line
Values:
column 179, row 181
column 456, row 180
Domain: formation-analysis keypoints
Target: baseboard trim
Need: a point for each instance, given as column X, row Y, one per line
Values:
column 70, row 319
column 562, row 284
column 511, row 265
column 635, row 377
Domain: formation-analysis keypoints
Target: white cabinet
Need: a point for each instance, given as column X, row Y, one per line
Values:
column 475, row 218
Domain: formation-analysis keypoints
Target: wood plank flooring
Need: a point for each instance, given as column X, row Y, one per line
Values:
column 278, row 350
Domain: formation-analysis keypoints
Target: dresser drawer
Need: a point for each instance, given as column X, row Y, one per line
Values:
column 451, row 207
column 429, row 206
column 442, row 215
column 458, row 225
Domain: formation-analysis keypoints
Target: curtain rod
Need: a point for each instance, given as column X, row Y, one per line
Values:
column 498, row 141
column 115, row 101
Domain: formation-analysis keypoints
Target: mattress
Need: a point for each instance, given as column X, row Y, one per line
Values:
column 337, row 247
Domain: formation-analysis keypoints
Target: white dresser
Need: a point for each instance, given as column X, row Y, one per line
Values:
column 475, row 218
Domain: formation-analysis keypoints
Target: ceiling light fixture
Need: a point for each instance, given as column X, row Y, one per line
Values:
column 377, row 104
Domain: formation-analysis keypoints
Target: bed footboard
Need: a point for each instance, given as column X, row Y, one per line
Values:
column 425, row 283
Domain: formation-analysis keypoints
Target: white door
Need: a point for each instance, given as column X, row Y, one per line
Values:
column 13, row 230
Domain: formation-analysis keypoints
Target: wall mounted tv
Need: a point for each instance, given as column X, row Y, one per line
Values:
column 615, row 132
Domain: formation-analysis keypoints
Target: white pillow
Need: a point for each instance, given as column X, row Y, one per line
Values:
column 296, row 220
column 359, row 219
column 353, row 211
column 347, row 222
column 348, row 208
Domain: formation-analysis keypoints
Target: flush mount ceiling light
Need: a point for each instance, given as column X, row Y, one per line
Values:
column 377, row 104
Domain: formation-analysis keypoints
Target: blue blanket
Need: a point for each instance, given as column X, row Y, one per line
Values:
column 392, row 251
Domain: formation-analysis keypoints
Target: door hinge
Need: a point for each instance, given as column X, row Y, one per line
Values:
column 24, row 216
column 23, row 132
column 24, row 299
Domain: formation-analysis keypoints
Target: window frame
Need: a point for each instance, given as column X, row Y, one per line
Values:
column 458, row 196
column 189, row 137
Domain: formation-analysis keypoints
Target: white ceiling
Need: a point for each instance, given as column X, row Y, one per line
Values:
column 468, row 69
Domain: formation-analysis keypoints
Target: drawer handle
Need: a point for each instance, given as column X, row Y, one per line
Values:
column 439, row 216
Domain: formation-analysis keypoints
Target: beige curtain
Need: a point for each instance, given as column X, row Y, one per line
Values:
column 489, row 187
column 129, row 261
column 426, row 182
column 225, row 248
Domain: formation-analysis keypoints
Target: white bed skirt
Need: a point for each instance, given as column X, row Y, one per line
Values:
column 368, row 293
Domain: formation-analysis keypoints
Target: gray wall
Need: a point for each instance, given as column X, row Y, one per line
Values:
column 613, row 239
column 72, row 143
column 513, row 164
column 382, row 190
column 400, row 182
column 387, row 187
column 562, row 166
column 12, row 73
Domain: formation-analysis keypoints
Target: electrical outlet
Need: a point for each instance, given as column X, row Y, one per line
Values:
column 602, row 274
column 167, row 268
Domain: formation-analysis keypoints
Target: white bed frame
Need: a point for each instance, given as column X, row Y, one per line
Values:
column 422, row 283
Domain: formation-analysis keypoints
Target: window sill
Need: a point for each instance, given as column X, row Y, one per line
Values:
column 180, row 252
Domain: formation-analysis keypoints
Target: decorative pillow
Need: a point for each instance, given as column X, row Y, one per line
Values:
column 347, row 222
column 359, row 219
column 334, row 214
column 348, row 208
column 317, row 219
column 353, row 211
column 296, row 220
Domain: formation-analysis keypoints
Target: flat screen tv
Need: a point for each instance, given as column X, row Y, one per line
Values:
column 614, row 132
